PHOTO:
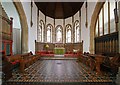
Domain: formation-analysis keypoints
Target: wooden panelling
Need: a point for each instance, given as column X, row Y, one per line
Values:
column 75, row 46
column 69, row 47
column 6, row 33
column 39, row 46
column 107, row 44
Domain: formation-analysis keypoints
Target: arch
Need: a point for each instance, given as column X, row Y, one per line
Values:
column 61, row 32
column 51, row 28
column 59, row 26
column 66, row 30
column 50, row 25
column 42, row 29
column 68, row 25
column 93, row 24
column 24, row 26
column 75, row 26
column 75, row 22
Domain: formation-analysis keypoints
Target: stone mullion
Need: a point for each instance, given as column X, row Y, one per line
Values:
column 45, row 31
column 103, row 20
column 64, row 32
column 98, row 28
column 73, row 31
column 44, row 36
column 53, row 32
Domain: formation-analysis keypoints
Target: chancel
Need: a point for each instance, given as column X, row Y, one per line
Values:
column 59, row 43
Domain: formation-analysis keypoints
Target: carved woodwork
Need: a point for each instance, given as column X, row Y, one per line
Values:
column 6, row 67
column 6, row 33
column 111, row 64
column 39, row 46
column 107, row 44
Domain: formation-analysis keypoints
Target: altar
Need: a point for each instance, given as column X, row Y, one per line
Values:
column 59, row 51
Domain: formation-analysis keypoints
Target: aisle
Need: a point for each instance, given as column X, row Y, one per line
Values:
column 49, row 71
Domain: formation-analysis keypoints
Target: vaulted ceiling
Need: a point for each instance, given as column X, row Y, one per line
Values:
column 59, row 10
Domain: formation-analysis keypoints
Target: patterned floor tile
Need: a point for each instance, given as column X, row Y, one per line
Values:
column 59, row 71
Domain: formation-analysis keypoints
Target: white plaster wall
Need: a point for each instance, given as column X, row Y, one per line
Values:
column 49, row 20
column 41, row 16
column 58, row 22
column 76, row 16
column 16, row 41
column 32, row 31
column 68, row 21
column 27, row 10
column 85, row 32
column 12, row 12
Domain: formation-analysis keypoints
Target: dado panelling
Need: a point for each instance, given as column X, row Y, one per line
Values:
column 40, row 46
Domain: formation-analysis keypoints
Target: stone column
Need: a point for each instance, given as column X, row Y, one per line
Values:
column 92, row 25
column 45, row 32
column 53, row 32
column 24, row 26
column 24, row 40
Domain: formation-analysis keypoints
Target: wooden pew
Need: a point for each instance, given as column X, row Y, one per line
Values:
column 5, row 67
column 101, row 63
column 111, row 64
column 27, row 60
column 93, row 61
column 98, row 61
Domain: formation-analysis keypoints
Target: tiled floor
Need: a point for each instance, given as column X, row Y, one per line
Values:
column 59, row 71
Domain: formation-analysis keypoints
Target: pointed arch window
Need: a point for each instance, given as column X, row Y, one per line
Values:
column 96, row 30
column 112, row 17
column 40, row 31
column 77, row 31
column 68, row 33
column 101, row 23
column 106, row 20
column 59, row 34
column 49, row 33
